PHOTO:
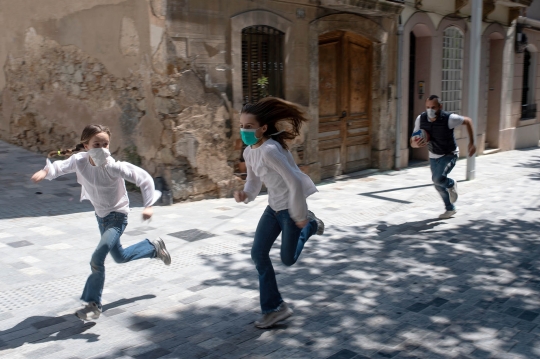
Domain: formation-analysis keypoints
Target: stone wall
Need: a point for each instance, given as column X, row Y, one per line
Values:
column 165, row 76
column 160, row 113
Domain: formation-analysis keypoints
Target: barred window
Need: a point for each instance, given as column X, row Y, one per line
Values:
column 452, row 72
column 528, row 103
column 262, row 63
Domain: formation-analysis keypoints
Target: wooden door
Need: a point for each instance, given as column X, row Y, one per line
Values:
column 344, row 103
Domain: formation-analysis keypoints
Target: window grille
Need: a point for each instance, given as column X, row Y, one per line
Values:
column 452, row 69
column 528, row 104
column 262, row 56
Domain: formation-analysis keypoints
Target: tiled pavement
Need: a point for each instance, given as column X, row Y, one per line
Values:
column 386, row 281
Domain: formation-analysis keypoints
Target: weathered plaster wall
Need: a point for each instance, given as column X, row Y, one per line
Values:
column 66, row 64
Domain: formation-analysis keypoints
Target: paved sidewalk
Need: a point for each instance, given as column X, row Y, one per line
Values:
column 387, row 280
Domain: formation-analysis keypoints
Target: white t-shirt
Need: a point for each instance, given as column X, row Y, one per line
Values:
column 288, row 187
column 453, row 122
column 104, row 186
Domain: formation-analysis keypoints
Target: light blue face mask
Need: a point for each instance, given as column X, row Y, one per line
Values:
column 248, row 136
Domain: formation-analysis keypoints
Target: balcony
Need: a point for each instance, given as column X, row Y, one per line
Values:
column 366, row 7
column 514, row 3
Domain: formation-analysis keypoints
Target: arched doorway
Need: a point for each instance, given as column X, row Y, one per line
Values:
column 495, row 83
column 345, row 64
column 420, row 45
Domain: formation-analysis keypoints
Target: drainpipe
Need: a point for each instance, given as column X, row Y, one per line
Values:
column 535, row 24
column 399, row 96
column 474, row 78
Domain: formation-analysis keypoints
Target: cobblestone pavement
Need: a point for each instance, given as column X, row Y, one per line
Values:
column 387, row 280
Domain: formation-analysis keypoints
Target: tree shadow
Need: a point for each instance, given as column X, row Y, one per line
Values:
column 42, row 329
column 533, row 162
column 423, row 289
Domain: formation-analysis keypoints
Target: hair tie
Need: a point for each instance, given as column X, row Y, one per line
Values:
column 59, row 154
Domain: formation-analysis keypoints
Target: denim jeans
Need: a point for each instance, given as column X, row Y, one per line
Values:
column 440, row 168
column 293, row 240
column 111, row 227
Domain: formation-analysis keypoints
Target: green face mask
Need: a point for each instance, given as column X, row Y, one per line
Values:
column 248, row 136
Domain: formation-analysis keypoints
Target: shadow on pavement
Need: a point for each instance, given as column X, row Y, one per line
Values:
column 422, row 290
column 47, row 329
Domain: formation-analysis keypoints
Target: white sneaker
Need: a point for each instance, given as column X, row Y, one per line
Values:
column 91, row 307
column 269, row 319
column 320, row 224
column 452, row 191
column 447, row 214
column 161, row 251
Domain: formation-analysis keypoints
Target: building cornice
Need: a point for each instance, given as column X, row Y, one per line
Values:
column 366, row 7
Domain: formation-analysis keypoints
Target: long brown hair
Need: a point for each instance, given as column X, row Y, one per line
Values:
column 88, row 132
column 272, row 110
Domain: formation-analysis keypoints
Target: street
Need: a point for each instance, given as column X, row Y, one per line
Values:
column 386, row 280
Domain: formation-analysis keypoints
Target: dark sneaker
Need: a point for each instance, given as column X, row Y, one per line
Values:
column 452, row 191
column 161, row 251
column 91, row 308
column 272, row 318
column 447, row 214
column 320, row 224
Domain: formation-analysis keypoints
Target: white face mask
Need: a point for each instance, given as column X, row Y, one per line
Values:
column 99, row 155
column 431, row 113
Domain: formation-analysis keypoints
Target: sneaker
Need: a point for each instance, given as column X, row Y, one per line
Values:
column 447, row 214
column 91, row 307
column 452, row 191
column 269, row 319
column 320, row 224
column 161, row 251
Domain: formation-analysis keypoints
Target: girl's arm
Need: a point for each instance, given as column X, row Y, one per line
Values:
column 56, row 169
column 253, row 185
column 297, row 201
column 141, row 179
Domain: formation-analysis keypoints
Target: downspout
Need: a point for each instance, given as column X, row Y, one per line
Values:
column 535, row 24
column 399, row 96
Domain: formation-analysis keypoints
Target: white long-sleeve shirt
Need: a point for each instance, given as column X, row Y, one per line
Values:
column 104, row 186
column 288, row 187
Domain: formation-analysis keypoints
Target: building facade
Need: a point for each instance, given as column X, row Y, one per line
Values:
column 171, row 76
column 436, row 46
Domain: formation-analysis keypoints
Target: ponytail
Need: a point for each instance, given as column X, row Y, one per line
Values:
column 88, row 132
column 272, row 110
column 66, row 153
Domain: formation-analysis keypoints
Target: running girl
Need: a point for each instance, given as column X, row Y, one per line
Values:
column 102, row 180
column 268, row 160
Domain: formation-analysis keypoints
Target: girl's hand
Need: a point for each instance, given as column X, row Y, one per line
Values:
column 240, row 196
column 147, row 213
column 39, row 176
column 302, row 224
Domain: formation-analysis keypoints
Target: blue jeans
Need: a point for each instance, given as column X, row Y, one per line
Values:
column 111, row 227
column 440, row 168
column 293, row 240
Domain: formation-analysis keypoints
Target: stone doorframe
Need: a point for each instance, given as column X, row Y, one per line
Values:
column 373, row 31
column 241, row 21
column 422, row 26
column 493, row 31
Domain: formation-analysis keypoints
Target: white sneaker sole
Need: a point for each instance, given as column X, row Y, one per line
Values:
column 447, row 216
column 276, row 320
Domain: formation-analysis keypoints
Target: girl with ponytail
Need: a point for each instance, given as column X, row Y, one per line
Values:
column 268, row 160
column 102, row 180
